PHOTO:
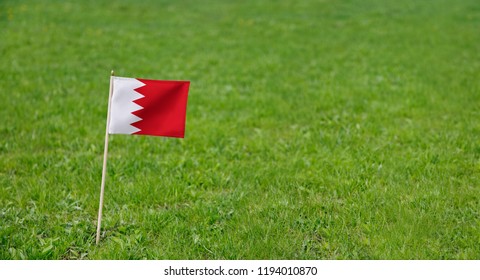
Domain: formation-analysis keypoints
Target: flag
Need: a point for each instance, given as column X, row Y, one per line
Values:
column 148, row 107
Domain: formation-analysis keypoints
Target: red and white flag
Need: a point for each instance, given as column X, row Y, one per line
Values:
column 148, row 107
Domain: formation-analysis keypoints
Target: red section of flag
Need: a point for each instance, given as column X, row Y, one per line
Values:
column 164, row 108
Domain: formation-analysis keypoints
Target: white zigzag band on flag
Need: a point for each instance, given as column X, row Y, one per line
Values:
column 122, row 105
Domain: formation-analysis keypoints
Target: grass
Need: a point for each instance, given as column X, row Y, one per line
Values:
column 315, row 130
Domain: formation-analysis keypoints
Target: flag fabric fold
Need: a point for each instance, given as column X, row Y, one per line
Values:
column 148, row 107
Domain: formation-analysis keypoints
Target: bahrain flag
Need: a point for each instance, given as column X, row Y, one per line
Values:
column 148, row 107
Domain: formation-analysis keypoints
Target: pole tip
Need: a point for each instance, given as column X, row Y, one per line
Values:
column 112, row 73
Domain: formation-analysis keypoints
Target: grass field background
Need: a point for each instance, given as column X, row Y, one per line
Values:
column 315, row 130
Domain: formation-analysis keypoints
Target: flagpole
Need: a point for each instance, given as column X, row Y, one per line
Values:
column 105, row 154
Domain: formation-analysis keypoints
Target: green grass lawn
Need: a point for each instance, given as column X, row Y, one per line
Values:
column 315, row 130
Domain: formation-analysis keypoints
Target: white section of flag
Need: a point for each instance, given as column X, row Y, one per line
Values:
column 122, row 105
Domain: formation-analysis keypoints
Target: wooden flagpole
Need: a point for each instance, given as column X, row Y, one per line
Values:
column 105, row 154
